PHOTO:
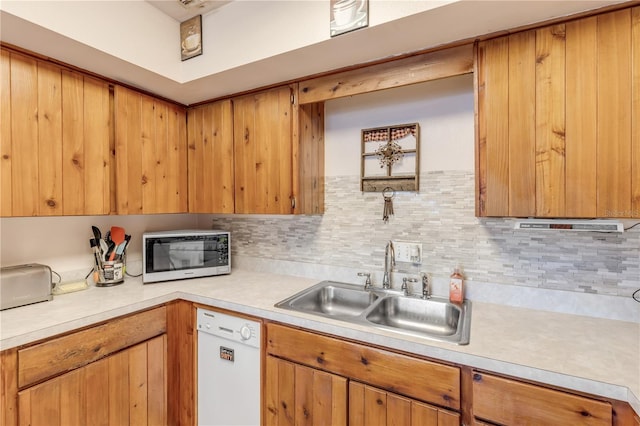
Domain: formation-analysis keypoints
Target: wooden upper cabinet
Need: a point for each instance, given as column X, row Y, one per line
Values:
column 55, row 140
column 278, row 153
column 210, row 143
column 263, row 125
column 558, row 130
column 151, row 154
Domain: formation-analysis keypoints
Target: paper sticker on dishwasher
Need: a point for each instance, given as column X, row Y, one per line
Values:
column 226, row 353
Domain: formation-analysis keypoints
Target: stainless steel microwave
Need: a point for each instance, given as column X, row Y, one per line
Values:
column 177, row 255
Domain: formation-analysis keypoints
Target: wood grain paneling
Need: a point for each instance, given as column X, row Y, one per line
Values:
column 74, row 350
column 506, row 401
column 128, row 133
column 97, row 121
column 73, row 182
column 263, row 152
column 24, row 134
column 279, row 398
column 433, row 382
column 6, row 198
column 550, row 121
column 635, row 112
column 181, row 379
column 49, row 139
column 308, row 160
column 522, row 124
column 584, row 113
column 211, row 186
column 119, row 389
column 493, row 128
column 414, row 69
column 581, row 118
column 372, row 406
column 157, row 381
column 151, row 154
column 138, row 386
column 299, row 395
column 614, row 114
column 9, row 387
column 113, row 391
column 55, row 140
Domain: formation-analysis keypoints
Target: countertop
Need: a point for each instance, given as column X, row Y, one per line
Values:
column 592, row 355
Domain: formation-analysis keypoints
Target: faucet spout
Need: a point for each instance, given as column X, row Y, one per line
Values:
column 389, row 264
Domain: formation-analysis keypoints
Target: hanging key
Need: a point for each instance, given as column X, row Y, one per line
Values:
column 387, row 195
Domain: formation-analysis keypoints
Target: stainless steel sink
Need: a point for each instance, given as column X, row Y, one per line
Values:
column 433, row 316
column 433, row 319
column 331, row 299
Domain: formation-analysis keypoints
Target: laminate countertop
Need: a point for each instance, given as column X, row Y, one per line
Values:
column 592, row 355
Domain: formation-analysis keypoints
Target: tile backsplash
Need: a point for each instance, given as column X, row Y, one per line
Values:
column 352, row 234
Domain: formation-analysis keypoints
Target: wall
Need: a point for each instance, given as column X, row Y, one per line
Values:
column 63, row 242
column 351, row 233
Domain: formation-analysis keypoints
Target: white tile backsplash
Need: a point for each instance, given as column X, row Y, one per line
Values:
column 352, row 235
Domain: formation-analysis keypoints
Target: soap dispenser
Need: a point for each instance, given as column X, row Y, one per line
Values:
column 456, row 286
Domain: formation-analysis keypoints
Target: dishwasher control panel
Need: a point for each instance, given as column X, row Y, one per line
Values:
column 229, row 327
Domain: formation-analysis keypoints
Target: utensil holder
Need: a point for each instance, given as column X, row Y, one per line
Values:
column 111, row 273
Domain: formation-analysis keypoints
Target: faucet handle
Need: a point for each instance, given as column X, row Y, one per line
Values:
column 425, row 285
column 405, row 280
column 367, row 283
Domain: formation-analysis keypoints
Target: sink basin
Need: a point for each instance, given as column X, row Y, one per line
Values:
column 433, row 319
column 331, row 299
column 429, row 316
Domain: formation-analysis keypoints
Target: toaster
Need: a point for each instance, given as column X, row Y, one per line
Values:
column 24, row 284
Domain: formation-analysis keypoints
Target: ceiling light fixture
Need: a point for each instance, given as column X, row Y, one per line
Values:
column 192, row 4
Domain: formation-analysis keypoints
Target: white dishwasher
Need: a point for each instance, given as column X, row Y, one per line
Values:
column 228, row 370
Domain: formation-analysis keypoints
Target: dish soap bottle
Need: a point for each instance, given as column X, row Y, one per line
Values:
column 456, row 290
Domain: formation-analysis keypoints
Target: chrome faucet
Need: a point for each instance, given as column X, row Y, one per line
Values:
column 389, row 264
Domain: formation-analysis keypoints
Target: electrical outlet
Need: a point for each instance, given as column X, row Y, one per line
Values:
column 408, row 252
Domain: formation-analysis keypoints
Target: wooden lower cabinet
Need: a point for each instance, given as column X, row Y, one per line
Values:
column 370, row 406
column 299, row 395
column 312, row 379
column 509, row 402
column 127, row 388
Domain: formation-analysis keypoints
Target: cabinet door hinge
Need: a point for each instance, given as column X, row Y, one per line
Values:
column 293, row 202
column 293, row 99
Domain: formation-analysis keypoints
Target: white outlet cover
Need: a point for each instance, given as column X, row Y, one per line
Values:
column 408, row 252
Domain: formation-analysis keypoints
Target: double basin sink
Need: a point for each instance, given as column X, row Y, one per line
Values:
column 433, row 318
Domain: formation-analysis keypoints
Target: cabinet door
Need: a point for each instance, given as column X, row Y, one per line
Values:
column 210, row 136
column 127, row 388
column 298, row 395
column 151, row 154
column 510, row 402
column 262, row 125
column 55, row 146
column 558, row 120
column 369, row 406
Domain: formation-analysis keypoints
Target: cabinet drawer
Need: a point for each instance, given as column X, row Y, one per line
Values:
column 510, row 402
column 65, row 353
column 424, row 380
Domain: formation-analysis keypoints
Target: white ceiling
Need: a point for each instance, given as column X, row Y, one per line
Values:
column 241, row 55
